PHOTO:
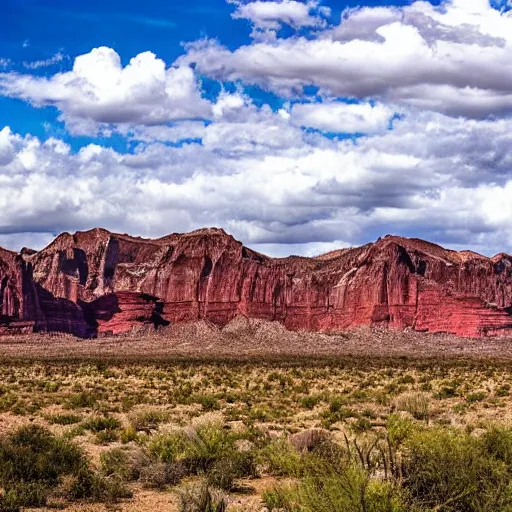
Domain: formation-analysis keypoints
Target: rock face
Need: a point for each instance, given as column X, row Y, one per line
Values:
column 97, row 282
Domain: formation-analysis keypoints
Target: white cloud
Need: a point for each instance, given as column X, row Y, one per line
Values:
column 58, row 57
column 461, row 49
column 239, row 127
column 432, row 176
column 7, row 149
column 271, row 15
column 100, row 90
column 342, row 117
column 452, row 59
column 362, row 23
column 308, row 249
column 228, row 105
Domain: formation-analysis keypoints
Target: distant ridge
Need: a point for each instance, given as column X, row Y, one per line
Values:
column 96, row 282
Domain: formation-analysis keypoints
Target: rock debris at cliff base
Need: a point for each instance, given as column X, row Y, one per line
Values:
column 257, row 340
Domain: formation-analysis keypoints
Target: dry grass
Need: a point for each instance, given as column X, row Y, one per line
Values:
column 123, row 392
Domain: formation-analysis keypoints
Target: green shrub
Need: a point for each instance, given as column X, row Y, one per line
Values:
column 29, row 494
column 280, row 499
column 503, row 390
column 63, row 419
column 101, row 424
column 209, row 449
column 225, row 470
column 7, row 402
column 7, row 507
column 369, row 413
column 406, row 379
column 158, row 475
column 197, row 449
column 328, row 418
column 455, row 472
column 107, row 436
column 476, row 397
column 148, row 420
column 207, row 402
column 82, row 400
column 362, row 425
column 460, row 408
column 124, row 464
column 92, row 486
column 448, row 391
column 128, row 435
column 169, row 447
column 416, row 404
column 323, row 489
column 244, row 464
column 200, row 498
column 310, row 401
column 330, row 454
column 336, row 404
column 384, row 497
column 497, row 443
column 210, row 442
column 399, row 429
column 32, row 463
column 281, row 458
column 33, row 454
column 116, row 462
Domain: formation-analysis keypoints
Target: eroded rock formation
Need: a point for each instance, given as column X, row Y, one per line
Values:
column 98, row 282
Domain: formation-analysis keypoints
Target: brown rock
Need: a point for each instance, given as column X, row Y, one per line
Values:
column 308, row 440
column 97, row 282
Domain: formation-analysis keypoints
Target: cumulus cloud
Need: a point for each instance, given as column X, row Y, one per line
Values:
column 340, row 117
column 432, row 176
column 239, row 127
column 99, row 90
column 361, row 23
column 6, row 146
column 269, row 16
column 407, row 54
column 453, row 59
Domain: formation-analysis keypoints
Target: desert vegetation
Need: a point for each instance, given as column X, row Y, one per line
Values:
column 309, row 435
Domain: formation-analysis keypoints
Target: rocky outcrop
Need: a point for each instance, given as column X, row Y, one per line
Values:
column 97, row 282
column 309, row 440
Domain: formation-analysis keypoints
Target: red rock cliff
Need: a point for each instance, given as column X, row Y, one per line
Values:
column 98, row 282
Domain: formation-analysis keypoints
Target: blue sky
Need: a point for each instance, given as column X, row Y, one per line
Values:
column 297, row 125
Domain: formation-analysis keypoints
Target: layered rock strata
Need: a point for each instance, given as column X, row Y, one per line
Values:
column 96, row 282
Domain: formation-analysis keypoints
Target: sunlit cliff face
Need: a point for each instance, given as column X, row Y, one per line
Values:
column 96, row 282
